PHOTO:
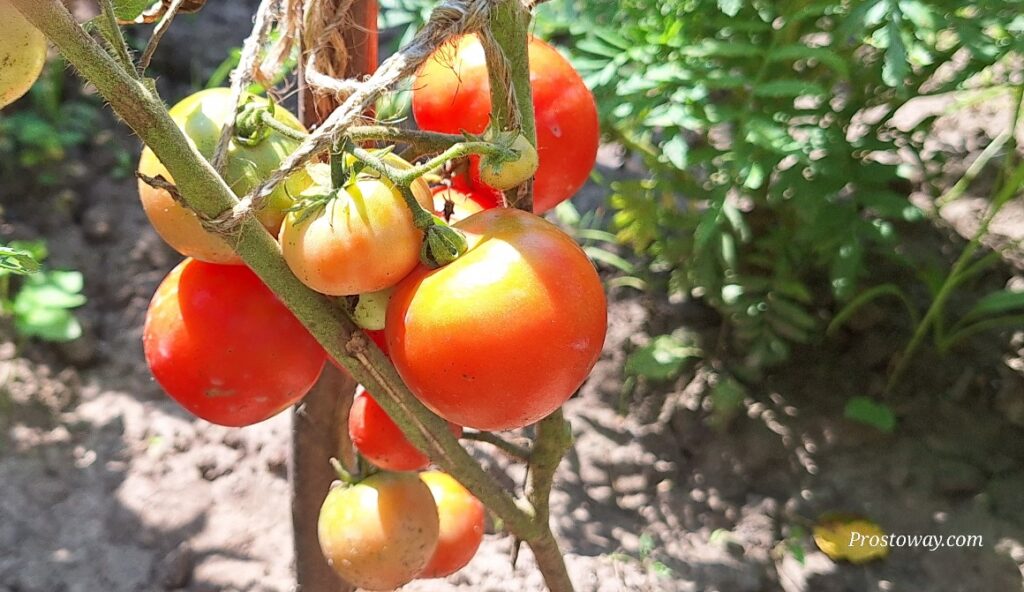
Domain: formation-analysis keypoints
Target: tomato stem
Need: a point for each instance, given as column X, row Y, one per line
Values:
column 510, row 448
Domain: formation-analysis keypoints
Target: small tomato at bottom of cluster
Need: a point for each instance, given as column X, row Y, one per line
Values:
column 461, row 518
column 380, row 533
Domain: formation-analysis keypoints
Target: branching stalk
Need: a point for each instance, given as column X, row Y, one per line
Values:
column 510, row 448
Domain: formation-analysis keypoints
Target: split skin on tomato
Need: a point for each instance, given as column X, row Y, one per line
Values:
column 224, row 347
column 452, row 93
column 22, row 54
column 461, row 518
column 362, row 240
column 454, row 205
column 201, row 117
column 504, row 335
column 380, row 440
column 380, row 533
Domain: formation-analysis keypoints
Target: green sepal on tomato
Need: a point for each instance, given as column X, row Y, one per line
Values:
column 225, row 348
column 452, row 94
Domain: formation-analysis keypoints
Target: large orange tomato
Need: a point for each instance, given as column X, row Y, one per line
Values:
column 202, row 116
column 504, row 335
column 462, row 525
column 380, row 533
column 224, row 347
column 452, row 93
column 362, row 240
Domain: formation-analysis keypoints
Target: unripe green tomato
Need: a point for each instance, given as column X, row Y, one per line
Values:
column 503, row 175
column 22, row 54
column 371, row 308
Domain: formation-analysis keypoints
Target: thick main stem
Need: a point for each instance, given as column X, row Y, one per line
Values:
column 510, row 56
column 206, row 193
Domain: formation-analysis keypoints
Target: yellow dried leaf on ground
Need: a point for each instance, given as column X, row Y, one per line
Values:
column 851, row 539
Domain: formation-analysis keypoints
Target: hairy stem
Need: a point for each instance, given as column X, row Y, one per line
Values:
column 508, row 67
column 206, row 193
column 510, row 448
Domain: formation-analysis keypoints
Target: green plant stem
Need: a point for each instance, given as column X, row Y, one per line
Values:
column 112, row 33
column 510, row 22
column 938, row 305
column 510, row 448
column 207, row 194
column 405, row 177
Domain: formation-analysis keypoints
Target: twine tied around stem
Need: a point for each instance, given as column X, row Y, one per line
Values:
column 322, row 26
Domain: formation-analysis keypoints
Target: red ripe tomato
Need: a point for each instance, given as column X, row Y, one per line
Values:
column 461, row 519
column 224, row 347
column 501, row 337
column 380, row 533
column 452, row 93
column 378, row 439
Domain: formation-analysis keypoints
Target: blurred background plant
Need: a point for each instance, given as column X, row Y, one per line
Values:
column 39, row 301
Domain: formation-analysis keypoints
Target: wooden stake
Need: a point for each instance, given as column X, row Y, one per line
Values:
column 319, row 424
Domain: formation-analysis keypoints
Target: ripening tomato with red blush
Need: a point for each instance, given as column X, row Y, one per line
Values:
column 224, row 347
column 505, row 334
column 452, row 93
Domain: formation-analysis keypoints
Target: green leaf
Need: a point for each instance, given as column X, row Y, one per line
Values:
column 675, row 151
column 868, row 411
column 789, row 89
column 50, row 324
column 823, row 55
column 895, row 66
column 18, row 261
column 662, row 359
column 730, row 7
column 996, row 303
column 129, row 10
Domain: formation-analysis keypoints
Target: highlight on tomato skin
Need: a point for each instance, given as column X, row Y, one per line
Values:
column 451, row 93
column 461, row 517
column 225, row 348
column 504, row 335
column 380, row 440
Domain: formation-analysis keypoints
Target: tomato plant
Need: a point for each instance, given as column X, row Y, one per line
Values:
column 452, row 93
column 461, row 520
column 380, row 533
column 224, row 347
column 22, row 54
column 380, row 441
column 504, row 335
column 360, row 238
column 202, row 116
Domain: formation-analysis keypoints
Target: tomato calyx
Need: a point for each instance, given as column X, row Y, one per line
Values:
column 442, row 244
column 251, row 126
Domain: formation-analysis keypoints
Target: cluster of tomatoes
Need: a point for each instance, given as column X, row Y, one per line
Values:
column 495, row 340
